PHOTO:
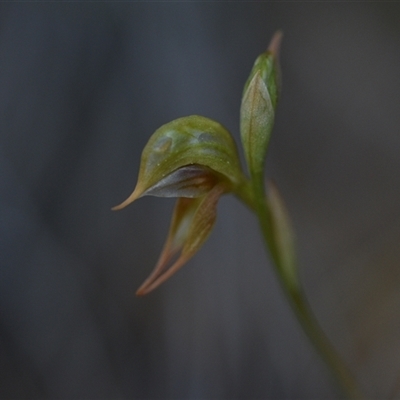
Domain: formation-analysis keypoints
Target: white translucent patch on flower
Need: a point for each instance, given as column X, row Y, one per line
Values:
column 160, row 151
column 206, row 137
column 189, row 181
column 162, row 145
column 182, row 227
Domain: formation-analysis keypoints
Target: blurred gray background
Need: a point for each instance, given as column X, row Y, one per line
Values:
column 83, row 86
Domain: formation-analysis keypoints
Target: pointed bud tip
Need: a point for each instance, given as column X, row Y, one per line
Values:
column 275, row 43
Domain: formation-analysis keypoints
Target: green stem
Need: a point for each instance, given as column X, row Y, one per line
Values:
column 298, row 300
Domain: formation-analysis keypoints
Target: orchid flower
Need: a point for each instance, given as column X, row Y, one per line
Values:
column 195, row 159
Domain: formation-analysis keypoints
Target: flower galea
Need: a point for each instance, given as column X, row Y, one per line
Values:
column 195, row 159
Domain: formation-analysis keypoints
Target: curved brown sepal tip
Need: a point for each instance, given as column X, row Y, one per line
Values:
column 158, row 277
column 134, row 196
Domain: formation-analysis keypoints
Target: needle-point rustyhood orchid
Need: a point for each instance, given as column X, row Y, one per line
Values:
column 195, row 159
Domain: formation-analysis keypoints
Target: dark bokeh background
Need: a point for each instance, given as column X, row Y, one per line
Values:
column 83, row 86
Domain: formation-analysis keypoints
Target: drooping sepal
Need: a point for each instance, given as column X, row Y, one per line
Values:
column 257, row 113
column 191, row 224
column 283, row 239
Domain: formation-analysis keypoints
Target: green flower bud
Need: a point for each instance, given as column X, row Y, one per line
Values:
column 260, row 97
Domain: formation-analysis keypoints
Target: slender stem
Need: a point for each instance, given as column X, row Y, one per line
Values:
column 298, row 300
